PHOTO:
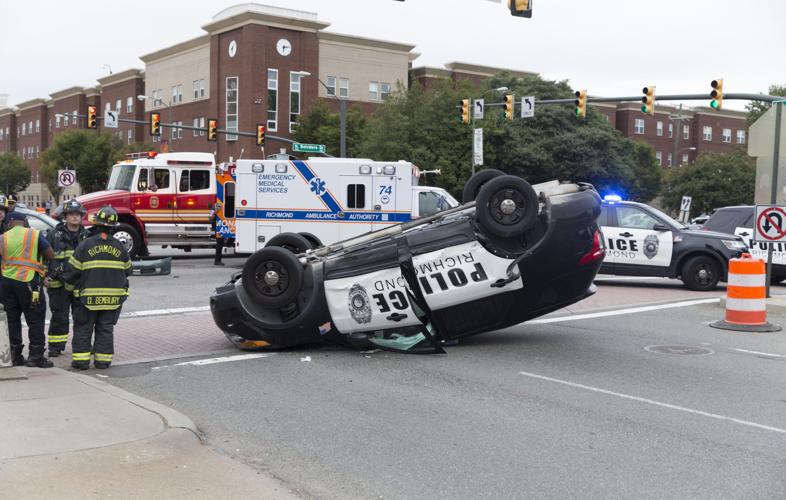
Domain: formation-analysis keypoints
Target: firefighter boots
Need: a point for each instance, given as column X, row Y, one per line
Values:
column 37, row 359
column 17, row 358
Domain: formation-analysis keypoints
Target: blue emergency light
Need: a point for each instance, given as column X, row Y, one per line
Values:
column 611, row 198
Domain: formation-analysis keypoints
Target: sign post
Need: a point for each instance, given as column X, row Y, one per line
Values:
column 308, row 148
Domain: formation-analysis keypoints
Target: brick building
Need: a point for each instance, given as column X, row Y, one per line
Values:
column 269, row 65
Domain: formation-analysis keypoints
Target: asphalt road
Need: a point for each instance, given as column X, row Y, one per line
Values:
column 585, row 409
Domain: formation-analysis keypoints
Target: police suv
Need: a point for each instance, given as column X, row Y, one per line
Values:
column 643, row 241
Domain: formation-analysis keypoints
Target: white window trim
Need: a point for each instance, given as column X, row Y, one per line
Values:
column 294, row 77
column 706, row 136
column 232, row 137
column 659, row 158
column 274, row 126
column 659, row 129
column 685, row 133
column 341, row 87
column 741, row 135
column 384, row 95
column 636, row 129
column 129, row 104
column 726, row 139
column 375, row 96
column 329, row 86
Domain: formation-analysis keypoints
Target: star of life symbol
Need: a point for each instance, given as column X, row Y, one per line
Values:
column 318, row 186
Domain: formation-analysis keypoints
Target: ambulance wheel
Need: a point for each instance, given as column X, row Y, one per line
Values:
column 506, row 206
column 293, row 242
column 273, row 276
column 129, row 237
column 473, row 185
column 701, row 273
column 315, row 242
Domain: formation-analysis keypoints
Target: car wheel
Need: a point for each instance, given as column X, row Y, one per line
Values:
column 777, row 278
column 273, row 276
column 473, row 185
column 506, row 206
column 129, row 237
column 293, row 242
column 701, row 273
column 315, row 242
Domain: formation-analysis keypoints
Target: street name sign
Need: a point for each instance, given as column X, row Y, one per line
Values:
column 308, row 148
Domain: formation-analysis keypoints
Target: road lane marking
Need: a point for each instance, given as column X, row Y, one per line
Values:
column 223, row 359
column 655, row 403
column 759, row 353
column 617, row 312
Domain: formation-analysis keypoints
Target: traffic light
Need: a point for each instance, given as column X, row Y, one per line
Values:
column 520, row 8
column 212, row 129
column 648, row 100
column 92, row 121
column 581, row 103
column 260, row 135
column 509, row 107
column 155, row 124
column 717, row 94
column 464, row 110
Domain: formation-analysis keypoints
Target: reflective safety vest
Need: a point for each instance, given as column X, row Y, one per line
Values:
column 63, row 244
column 20, row 254
column 99, row 268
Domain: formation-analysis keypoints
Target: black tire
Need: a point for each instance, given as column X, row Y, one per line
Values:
column 293, row 242
column 288, row 275
column 777, row 278
column 315, row 242
column 493, row 203
column 701, row 273
column 473, row 185
column 129, row 236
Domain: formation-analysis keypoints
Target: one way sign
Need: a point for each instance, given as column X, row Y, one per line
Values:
column 770, row 224
column 528, row 106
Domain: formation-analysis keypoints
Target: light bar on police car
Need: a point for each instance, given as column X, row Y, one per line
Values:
column 612, row 197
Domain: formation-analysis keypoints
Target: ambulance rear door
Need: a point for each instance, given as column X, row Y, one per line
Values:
column 245, row 206
column 355, row 197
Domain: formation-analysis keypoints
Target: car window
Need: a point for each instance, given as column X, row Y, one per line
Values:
column 161, row 178
column 36, row 223
column 430, row 203
column 724, row 220
column 605, row 216
column 748, row 222
column 635, row 218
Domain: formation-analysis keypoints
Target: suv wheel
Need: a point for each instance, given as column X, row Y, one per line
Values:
column 701, row 273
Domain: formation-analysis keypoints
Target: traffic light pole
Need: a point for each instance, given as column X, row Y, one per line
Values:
column 776, row 151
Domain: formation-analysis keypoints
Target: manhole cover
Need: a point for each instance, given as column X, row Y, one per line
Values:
column 679, row 350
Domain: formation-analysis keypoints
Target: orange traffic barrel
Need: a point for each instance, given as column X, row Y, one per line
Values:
column 746, row 297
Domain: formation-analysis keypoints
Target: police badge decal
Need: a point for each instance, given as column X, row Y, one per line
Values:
column 359, row 307
column 651, row 246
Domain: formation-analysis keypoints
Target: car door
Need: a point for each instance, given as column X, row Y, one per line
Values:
column 160, row 216
column 640, row 243
column 195, row 194
column 606, row 224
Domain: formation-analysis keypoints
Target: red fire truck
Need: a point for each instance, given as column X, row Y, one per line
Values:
column 162, row 199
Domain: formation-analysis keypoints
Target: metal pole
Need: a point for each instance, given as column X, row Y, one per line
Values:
column 472, row 153
column 676, row 130
column 343, row 117
column 776, row 150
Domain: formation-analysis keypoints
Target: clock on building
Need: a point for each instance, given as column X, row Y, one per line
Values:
column 232, row 50
column 284, row 47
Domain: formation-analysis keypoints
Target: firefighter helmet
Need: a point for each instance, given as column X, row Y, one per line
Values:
column 11, row 199
column 106, row 216
column 3, row 202
column 73, row 206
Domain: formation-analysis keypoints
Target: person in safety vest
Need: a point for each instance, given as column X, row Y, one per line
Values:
column 3, row 212
column 22, row 251
column 99, row 270
column 64, row 238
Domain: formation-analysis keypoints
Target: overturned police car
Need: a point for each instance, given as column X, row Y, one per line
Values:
column 509, row 253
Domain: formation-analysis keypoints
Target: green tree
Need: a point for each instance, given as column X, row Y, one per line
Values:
column 89, row 153
column 14, row 173
column 647, row 173
column 757, row 108
column 715, row 180
column 321, row 126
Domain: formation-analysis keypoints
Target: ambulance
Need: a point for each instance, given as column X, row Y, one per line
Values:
column 324, row 200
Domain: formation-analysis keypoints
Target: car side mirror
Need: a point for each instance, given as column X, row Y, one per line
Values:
column 661, row 227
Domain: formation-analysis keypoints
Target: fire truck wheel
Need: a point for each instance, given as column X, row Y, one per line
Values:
column 129, row 237
column 293, row 242
column 473, row 185
column 315, row 242
column 506, row 206
column 273, row 276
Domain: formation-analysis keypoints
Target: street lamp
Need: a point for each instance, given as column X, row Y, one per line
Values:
column 342, row 106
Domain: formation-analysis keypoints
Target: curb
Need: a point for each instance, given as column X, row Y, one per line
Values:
column 172, row 418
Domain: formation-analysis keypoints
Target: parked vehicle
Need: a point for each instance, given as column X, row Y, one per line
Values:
column 643, row 241
column 510, row 253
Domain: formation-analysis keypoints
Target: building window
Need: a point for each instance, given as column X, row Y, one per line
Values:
column 707, row 133
column 24, row 129
column 684, row 158
column 57, row 121
column 294, row 100
column 727, row 135
column 343, row 87
column 177, row 131
column 38, row 127
column 199, row 89
column 73, row 118
column 118, row 104
column 157, row 98
column 30, row 127
column 671, row 130
column 740, row 136
column 384, row 90
column 196, row 125
column 130, row 136
column 202, row 126
column 177, row 94
column 331, row 85
column 196, row 89
column 231, row 107
column 638, row 126
column 659, row 157
column 272, row 100
column 373, row 91
column 685, row 132
column 659, row 129
column 173, row 131
column 668, row 162
column 129, row 105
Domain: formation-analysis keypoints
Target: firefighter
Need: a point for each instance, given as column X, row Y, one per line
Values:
column 22, row 249
column 10, row 204
column 99, row 270
column 3, row 212
column 64, row 238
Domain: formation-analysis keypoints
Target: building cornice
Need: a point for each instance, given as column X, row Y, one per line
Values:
column 477, row 69
column 250, row 17
column 7, row 111
column 430, row 72
column 194, row 43
column 129, row 74
column 62, row 94
column 365, row 42
column 93, row 91
column 32, row 103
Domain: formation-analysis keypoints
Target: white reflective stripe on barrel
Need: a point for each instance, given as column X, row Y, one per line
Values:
column 746, row 304
column 747, row 279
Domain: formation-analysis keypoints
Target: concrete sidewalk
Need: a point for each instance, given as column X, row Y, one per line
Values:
column 68, row 435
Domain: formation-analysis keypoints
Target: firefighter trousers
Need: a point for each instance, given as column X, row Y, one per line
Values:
column 17, row 299
column 85, row 323
column 61, row 303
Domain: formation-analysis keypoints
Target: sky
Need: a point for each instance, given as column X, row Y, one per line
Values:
column 609, row 47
